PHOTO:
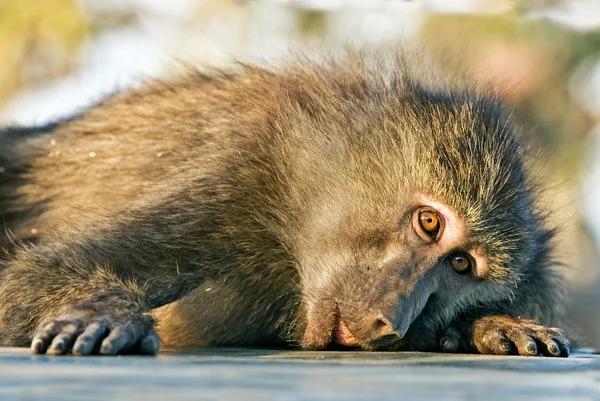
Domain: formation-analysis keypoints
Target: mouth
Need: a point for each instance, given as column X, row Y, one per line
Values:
column 343, row 339
column 341, row 335
column 326, row 330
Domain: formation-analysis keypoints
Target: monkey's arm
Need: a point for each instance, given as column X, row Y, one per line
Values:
column 525, row 326
column 518, row 327
column 91, row 291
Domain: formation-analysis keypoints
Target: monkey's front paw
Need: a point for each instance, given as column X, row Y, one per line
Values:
column 86, row 333
column 505, row 335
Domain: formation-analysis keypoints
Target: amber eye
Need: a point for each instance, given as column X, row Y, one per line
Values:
column 430, row 223
column 460, row 263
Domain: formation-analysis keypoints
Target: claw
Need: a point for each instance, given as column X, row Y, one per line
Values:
column 95, row 334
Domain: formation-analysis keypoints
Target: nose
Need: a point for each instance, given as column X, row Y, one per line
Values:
column 383, row 334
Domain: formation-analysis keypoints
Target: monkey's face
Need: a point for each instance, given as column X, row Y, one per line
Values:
column 410, row 230
column 369, row 287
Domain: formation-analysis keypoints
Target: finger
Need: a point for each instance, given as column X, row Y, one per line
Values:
column 117, row 341
column 565, row 349
column 43, row 338
column 149, row 344
column 62, row 343
column 548, row 347
column 563, row 343
column 526, row 346
column 449, row 344
column 494, row 342
column 89, row 339
column 450, row 341
column 546, row 344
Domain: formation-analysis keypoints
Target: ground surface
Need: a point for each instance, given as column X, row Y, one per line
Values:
column 288, row 375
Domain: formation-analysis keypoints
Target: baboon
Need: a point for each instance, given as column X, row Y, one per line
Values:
column 311, row 204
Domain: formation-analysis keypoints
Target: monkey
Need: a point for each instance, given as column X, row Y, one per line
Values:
column 311, row 205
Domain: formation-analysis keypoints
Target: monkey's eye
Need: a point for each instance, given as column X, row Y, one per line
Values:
column 460, row 263
column 430, row 223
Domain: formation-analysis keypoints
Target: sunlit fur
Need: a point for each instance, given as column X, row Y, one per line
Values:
column 249, row 197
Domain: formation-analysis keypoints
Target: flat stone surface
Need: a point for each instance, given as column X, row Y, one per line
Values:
column 241, row 374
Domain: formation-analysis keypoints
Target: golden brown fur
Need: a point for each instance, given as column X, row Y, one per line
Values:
column 251, row 208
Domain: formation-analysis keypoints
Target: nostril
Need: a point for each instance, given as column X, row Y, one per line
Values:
column 383, row 335
column 383, row 327
column 381, row 323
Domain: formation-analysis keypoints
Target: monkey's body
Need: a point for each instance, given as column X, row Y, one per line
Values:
column 263, row 208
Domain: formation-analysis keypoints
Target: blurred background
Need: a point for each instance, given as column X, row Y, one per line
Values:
column 59, row 56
